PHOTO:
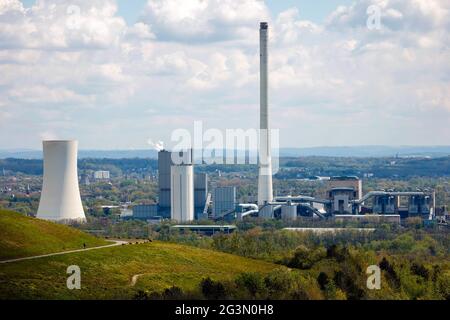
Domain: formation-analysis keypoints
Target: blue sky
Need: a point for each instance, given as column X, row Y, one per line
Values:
column 115, row 80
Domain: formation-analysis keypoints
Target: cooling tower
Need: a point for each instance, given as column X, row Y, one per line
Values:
column 265, row 193
column 182, row 193
column 60, row 197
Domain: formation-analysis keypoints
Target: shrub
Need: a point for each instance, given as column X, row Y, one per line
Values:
column 253, row 283
column 213, row 290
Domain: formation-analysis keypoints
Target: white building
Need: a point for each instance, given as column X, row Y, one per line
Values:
column 101, row 175
column 182, row 193
column 60, row 197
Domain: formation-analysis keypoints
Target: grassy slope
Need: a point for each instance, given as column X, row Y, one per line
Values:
column 107, row 273
column 22, row 236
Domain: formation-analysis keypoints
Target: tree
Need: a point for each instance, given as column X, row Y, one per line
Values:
column 279, row 283
column 173, row 293
column 213, row 290
column 140, row 295
column 323, row 280
column 253, row 283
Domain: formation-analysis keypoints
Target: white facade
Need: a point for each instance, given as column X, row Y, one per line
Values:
column 265, row 193
column 100, row 175
column 182, row 193
column 60, row 197
column 289, row 212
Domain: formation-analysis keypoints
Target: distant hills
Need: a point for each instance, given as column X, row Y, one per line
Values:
column 350, row 151
column 368, row 151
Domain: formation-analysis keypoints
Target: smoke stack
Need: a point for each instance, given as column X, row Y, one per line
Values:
column 265, row 193
column 60, row 198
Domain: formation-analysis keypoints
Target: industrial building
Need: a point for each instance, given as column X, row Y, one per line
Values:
column 60, row 198
column 205, row 229
column 182, row 192
column 165, row 163
column 169, row 161
column 200, row 196
column 224, row 201
column 350, row 182
column 184, row 196
column 375, row 206
column 145, row 211
column 101, row 175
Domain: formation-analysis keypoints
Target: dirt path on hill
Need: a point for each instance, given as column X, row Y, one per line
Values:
column 116, row 243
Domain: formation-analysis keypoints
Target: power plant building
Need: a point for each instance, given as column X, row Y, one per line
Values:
column 165, row 162
column 168, row 159
column 200, row 193
column 60, row 198
column 350, row 182
column 182, row 193
column 224, row 200
column 145, row 211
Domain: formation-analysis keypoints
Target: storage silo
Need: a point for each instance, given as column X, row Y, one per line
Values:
column 289, row 212
column 182, row 193
column 60, row 198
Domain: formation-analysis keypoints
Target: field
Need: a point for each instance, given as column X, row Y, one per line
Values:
column 22, row 236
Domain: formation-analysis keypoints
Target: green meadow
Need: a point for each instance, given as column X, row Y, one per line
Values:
column 106, row 273
column 22, row 236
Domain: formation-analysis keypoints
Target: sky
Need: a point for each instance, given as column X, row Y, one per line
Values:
column 117, row 74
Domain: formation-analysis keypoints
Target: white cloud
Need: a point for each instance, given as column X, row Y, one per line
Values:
column 192, row 60
column 204, row 20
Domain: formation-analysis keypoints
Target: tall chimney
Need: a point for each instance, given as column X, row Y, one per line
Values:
column 265, row 193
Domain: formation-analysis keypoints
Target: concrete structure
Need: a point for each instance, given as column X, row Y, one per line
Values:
column 341, row 192
column 351, row 182
column 268, row 211
column 60, row 198
column 206, row 229
column 200, row 194
column 341, row 200
column 372, row 218
column 101, row 175
column 320, row 231
column 145, row 211
column 421, row 204
column 265, row 192
column 224, row 200
column 165, row 162
column 289, row 212
column 385, row 204
column 182, row 193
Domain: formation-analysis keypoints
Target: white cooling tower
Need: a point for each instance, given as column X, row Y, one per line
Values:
column 182, row 193
column 265, row 193
column 60, row 197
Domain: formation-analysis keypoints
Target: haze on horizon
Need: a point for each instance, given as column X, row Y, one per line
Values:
column 123, row 72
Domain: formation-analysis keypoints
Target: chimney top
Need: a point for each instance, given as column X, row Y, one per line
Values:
column 264, row 25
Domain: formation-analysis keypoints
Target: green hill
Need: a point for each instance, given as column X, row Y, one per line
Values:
column 22, row 236
column 108, row 273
